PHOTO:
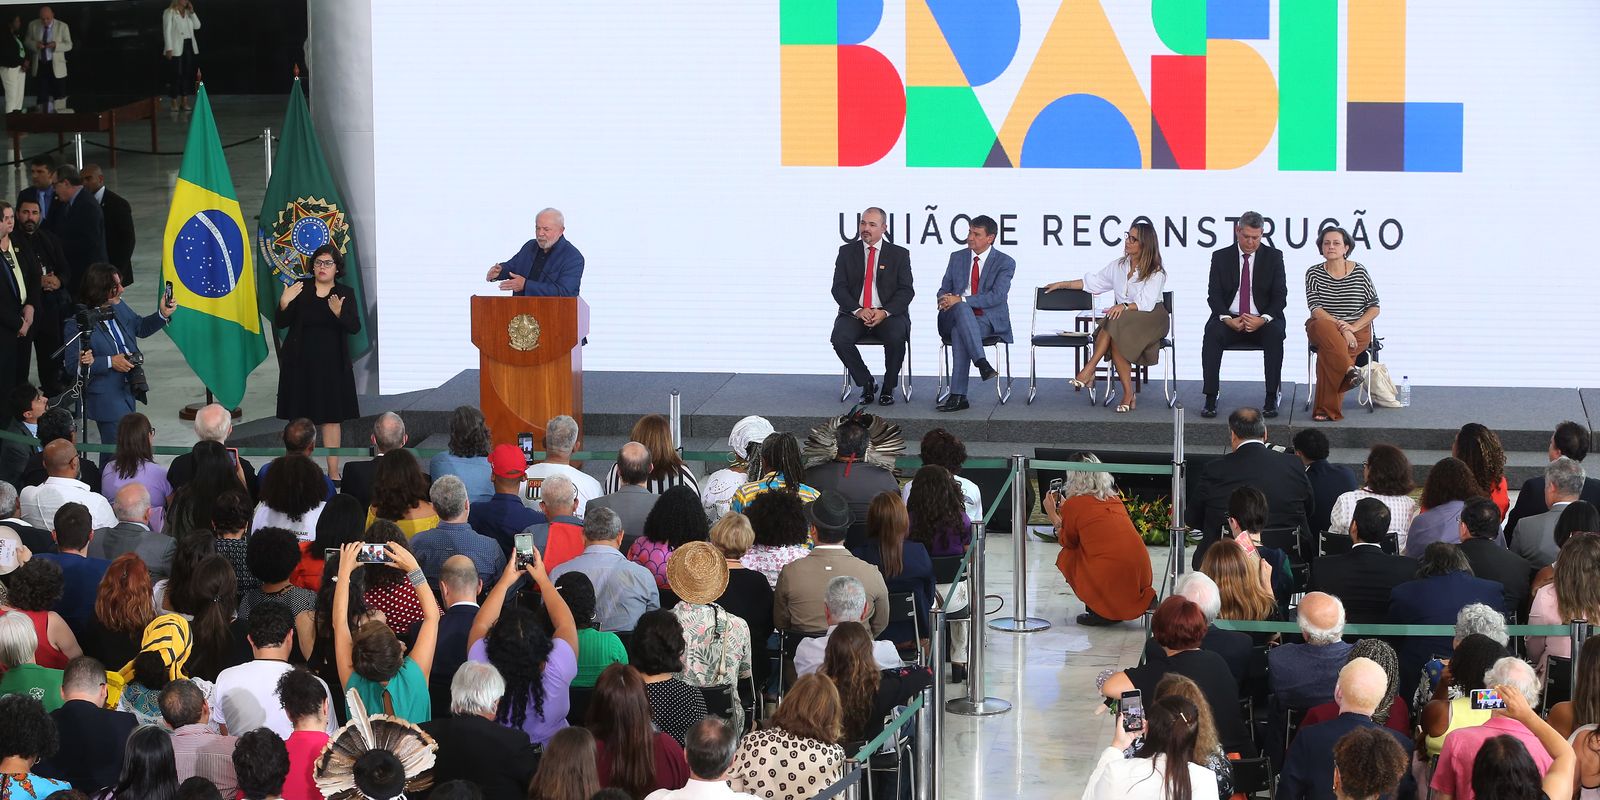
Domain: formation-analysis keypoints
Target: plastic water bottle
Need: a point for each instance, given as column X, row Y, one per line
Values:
column 1405, row 391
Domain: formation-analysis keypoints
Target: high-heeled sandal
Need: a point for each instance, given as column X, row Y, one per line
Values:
column 1077, row 385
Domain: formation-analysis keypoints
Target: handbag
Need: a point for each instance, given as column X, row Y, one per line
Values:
column 1381, row 385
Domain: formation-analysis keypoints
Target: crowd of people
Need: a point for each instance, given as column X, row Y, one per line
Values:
column 520, row 630
column 1334, row 716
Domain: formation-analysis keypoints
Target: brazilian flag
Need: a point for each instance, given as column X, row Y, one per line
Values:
column 300, row 212
column 206, row 255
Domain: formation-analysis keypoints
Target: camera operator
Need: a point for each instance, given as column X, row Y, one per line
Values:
column 110, row 350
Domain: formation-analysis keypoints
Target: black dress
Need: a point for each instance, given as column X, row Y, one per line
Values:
column 315, row 377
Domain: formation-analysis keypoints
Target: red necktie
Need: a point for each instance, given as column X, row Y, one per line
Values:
column 1244, row 286
column 872, row 274
column 977, row 311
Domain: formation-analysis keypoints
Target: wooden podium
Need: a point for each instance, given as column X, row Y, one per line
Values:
column 530, row 362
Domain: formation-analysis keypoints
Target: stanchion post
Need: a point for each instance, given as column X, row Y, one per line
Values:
column 976, row 703
column 1580, row 632
column 1019, row 622
column 853, row 791
column 266, row 141
column 1176, row 530
column 77, row 149
column 930, row 721
column 675, row 418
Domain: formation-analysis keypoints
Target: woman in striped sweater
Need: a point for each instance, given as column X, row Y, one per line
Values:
column 1343, row 305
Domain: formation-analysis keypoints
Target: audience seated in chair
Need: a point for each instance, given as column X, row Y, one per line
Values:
column 560, row 438
column 1364, row 577
column 453, row 536
column 1443, row 586
column 197, row 749
column 868, row 692
column 1367, row 765
column 1163, row 760
column 473, row 745
column 559, row 537
column 1571, row 439
column 1450, row 707
column 1535, row 538
column 675, row 520
column 1308, row 767
column 1250, row 462
column 502, row 515
column 905, row 565
column 630, row 589
column 798, row 600
column 1479, row 527
column 1446, row 491
column 305, row 700
column 1574, row 594
column 92, row 736
column 1239, row 584
column 629, row 753
column 1304, row 675
column 856, row 480
column 630, row 495
column 1233, row 646
column 711, row 746
column 845, row 600
column 1385, row 476
column 1392, row 712
column 1480, row 449
column 1328, row 480
column 568, row 767
column 1518, row 686
column 536, row 662
column 716, row 644
column 804, row 732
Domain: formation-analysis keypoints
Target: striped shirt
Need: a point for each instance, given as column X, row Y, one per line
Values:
column 683, row 477
column 1344, row 298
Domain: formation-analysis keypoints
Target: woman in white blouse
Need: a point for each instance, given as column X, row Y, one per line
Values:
column 179, row 48
column 1131, row 330
column 1386, row 475
column 1160, row 768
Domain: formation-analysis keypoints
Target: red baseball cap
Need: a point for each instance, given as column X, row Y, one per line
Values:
column 507, row 461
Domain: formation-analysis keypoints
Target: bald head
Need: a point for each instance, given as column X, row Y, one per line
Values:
column 132, row 503
column 458, row 579
column 388, row 432
column 93, row 178
column 213, row 423
column 633, row 464
column 1362, row 684
column 60, row 457
column 1321, row 618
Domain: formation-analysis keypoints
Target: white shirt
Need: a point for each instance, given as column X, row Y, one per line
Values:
column 876, row 261
column 305, row 527
column 40, row 503
column 1144, row 295
column 970, row 493
column 808, row 654
column 588, row 487
column 698, row 789
column 1402, row 510
column 246, row 698
column 1118, row 778
column 1233, row 310
column 983, row 264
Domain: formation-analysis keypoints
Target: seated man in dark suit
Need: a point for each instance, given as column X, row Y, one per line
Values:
column 459, row 586
column 853, row 478
column 1233, row 646
column 1247, row 293
column 1308, row 767
column 388, row 433
column 1328, row 480
column 1303, row 675
column 472, row 746
column 1536, row 537
column 1364, row 577
column 875, row 307
column 1443, row 586
column 212, row 423
column 92, row 736
column 1249, row 462
column 25, row 405
column 1480, row 524
column 1571, row 439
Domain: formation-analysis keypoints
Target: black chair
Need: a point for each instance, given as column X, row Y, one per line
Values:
column 1252, row 777
column 787, row 642
column 944, row 573
column 1557, row 682
column 1001, row 390
column 1169, row 378
column 1335, row 543
column 578, row 704
column 872, row 340
column 1073, row 300
column 1368, row 356
column 1289, row 540
column 903, row 608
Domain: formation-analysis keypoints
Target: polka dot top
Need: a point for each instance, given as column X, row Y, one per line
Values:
column 776, row 763
column 675, row 707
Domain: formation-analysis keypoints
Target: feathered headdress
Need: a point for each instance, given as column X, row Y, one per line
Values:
column 885, row 443
column 364, row 735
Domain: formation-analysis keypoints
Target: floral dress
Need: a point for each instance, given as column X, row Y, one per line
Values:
column 716, row 650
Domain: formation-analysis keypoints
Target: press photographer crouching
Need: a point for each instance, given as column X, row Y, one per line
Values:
column 110, row 350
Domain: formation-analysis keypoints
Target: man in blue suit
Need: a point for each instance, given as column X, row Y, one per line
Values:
column 547, row 266
column 972, row 307
column 1443, row 586
column 1308, row 768
column 113, row 347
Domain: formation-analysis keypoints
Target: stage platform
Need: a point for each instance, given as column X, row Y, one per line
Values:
column 1059, row 417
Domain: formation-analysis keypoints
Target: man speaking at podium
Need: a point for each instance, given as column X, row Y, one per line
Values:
column 547, row 266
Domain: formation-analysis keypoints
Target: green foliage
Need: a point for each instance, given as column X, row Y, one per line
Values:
column 1152, row 518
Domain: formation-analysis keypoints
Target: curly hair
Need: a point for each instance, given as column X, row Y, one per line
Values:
column 519, row 646
column 397, row 485
column 261, row 762
column 26, row 730
column 293, row 485
column 36, row 585
column 301, row 693
column 848, row 661
column 935, row 503
column 578, row 592
column 656, row 647
column 677, row 518
column 272, row 554
column 469, row 435
column 1472, row 659
column 778, row 519
column 1388, row 470
column 780, row 454
column 231, row 512
column 654, row 431
column 1238, row 582
column 1480, row 449
column 941, row 448
column 1370, row 763
column 1449, row 479
column 123, row 603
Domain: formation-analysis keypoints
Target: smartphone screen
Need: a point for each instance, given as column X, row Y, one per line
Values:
column 523, row 542
column 1132, row 706
column 1487, row 700
column 525, row 441
column 372, row 553
column 169, row 290
column 330, row 553
column 233, row 452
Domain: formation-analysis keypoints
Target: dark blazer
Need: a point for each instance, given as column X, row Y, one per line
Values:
column 154, row 548
column 46, row 198
column 1492, row 562
column 14, row 455
column 500, row 760
column 120, row 236
column 42, row 255
column 11, row 303
column 1276, row 473
column 994, row 286
column 357, row 478
column 1328, row 481
column 37, row 540
column 1308, row 768
column 449, row 654
column 82, row 227
column 1233, row 646
column 182, row 471
column 1530, row 501
column 1363, row 580
column 92, row 738
column 109, row 397
column 1435, row 601
column 1269, row 290
column 892, row 291
column 562, row 274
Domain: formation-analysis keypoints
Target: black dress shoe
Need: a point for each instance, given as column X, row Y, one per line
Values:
column 958, row 673
column 868, row 392
column 886, row 398
column 986, row 371
column 1210, row 409
column 1269, row 409
column 1094, row 620
column 955, row 402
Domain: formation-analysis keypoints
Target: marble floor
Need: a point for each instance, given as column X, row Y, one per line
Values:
column 1047, row 744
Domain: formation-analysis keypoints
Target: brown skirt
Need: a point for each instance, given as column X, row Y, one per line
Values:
column 1138, row 334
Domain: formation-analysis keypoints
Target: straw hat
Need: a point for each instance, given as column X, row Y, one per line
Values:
column 697, row 573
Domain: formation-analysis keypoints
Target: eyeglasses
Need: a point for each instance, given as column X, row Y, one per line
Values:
column 323, row 262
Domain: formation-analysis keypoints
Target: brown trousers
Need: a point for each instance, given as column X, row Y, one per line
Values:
column 1334, row 361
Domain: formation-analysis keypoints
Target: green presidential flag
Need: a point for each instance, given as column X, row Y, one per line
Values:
column 301, row 212
column 206, row 255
